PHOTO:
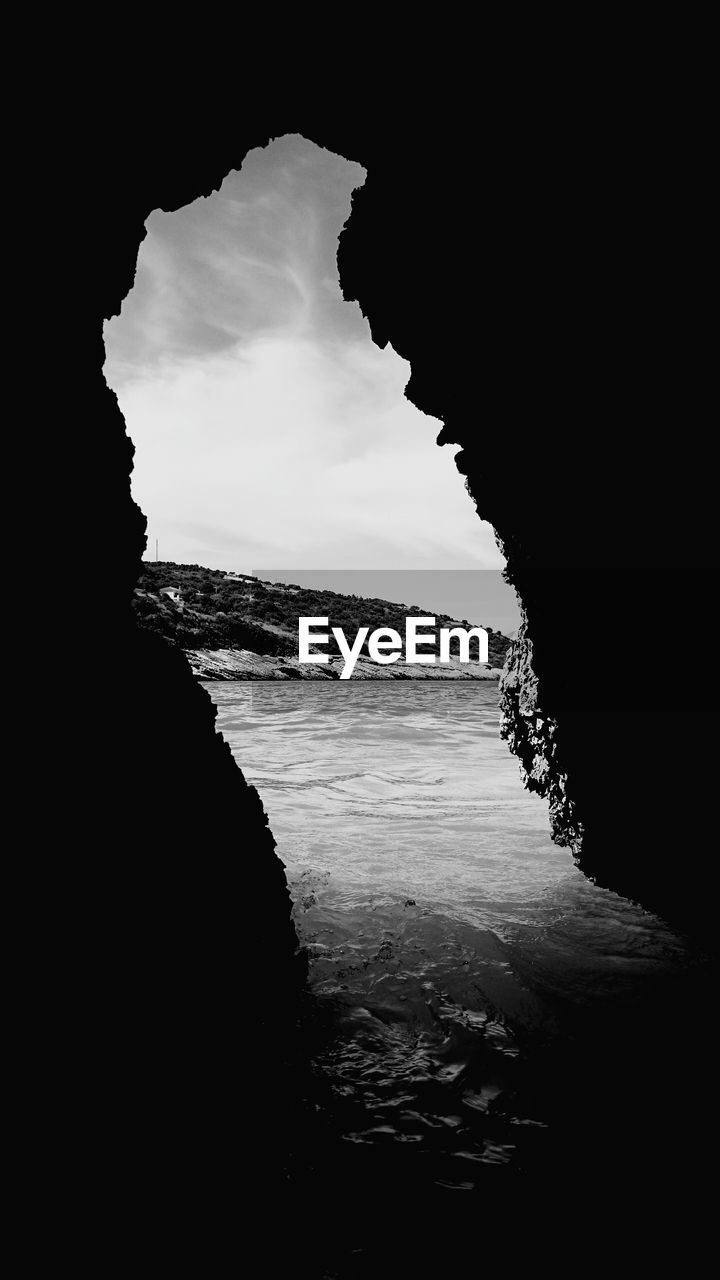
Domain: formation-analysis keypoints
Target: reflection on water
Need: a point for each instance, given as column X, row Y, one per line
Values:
column 467, row 980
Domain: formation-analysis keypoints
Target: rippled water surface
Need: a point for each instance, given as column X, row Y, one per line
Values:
column 458, row 957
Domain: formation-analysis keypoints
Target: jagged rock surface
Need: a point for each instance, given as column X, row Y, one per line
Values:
column 532, row 737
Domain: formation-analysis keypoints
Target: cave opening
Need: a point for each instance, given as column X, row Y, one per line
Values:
column 432, row 1007
column 535, row 259
column 270, row 429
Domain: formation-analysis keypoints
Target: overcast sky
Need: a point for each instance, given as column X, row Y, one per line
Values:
column 269, row 430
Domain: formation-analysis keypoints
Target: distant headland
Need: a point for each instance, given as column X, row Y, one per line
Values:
column 233, row 626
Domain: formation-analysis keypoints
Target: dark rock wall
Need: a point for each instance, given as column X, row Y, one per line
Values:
column 531, row 286
column 540, row 282
column 533, row 738
column 532, row 274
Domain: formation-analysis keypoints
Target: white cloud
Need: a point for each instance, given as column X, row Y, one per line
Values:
column 268, row 428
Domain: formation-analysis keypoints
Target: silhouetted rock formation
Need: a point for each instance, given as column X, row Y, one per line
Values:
column 521, row 345
column 547, row 330
column 530, row 272
column 532, row 737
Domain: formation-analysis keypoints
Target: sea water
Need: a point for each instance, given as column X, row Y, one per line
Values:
column 473, row 994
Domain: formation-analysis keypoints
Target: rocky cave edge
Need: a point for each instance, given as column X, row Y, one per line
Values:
column 537, row 252
column 541, row 331
column 530, row 322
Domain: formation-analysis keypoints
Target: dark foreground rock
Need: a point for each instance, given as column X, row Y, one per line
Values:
column 537, row 255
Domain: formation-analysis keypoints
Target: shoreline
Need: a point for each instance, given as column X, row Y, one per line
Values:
column 244, row 665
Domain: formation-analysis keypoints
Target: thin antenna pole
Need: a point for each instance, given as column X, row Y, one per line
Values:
column 156, row 551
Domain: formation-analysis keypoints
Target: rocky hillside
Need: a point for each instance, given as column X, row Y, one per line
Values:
column 216, row 617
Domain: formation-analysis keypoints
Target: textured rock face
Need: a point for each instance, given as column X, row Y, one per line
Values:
column 532, row 736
